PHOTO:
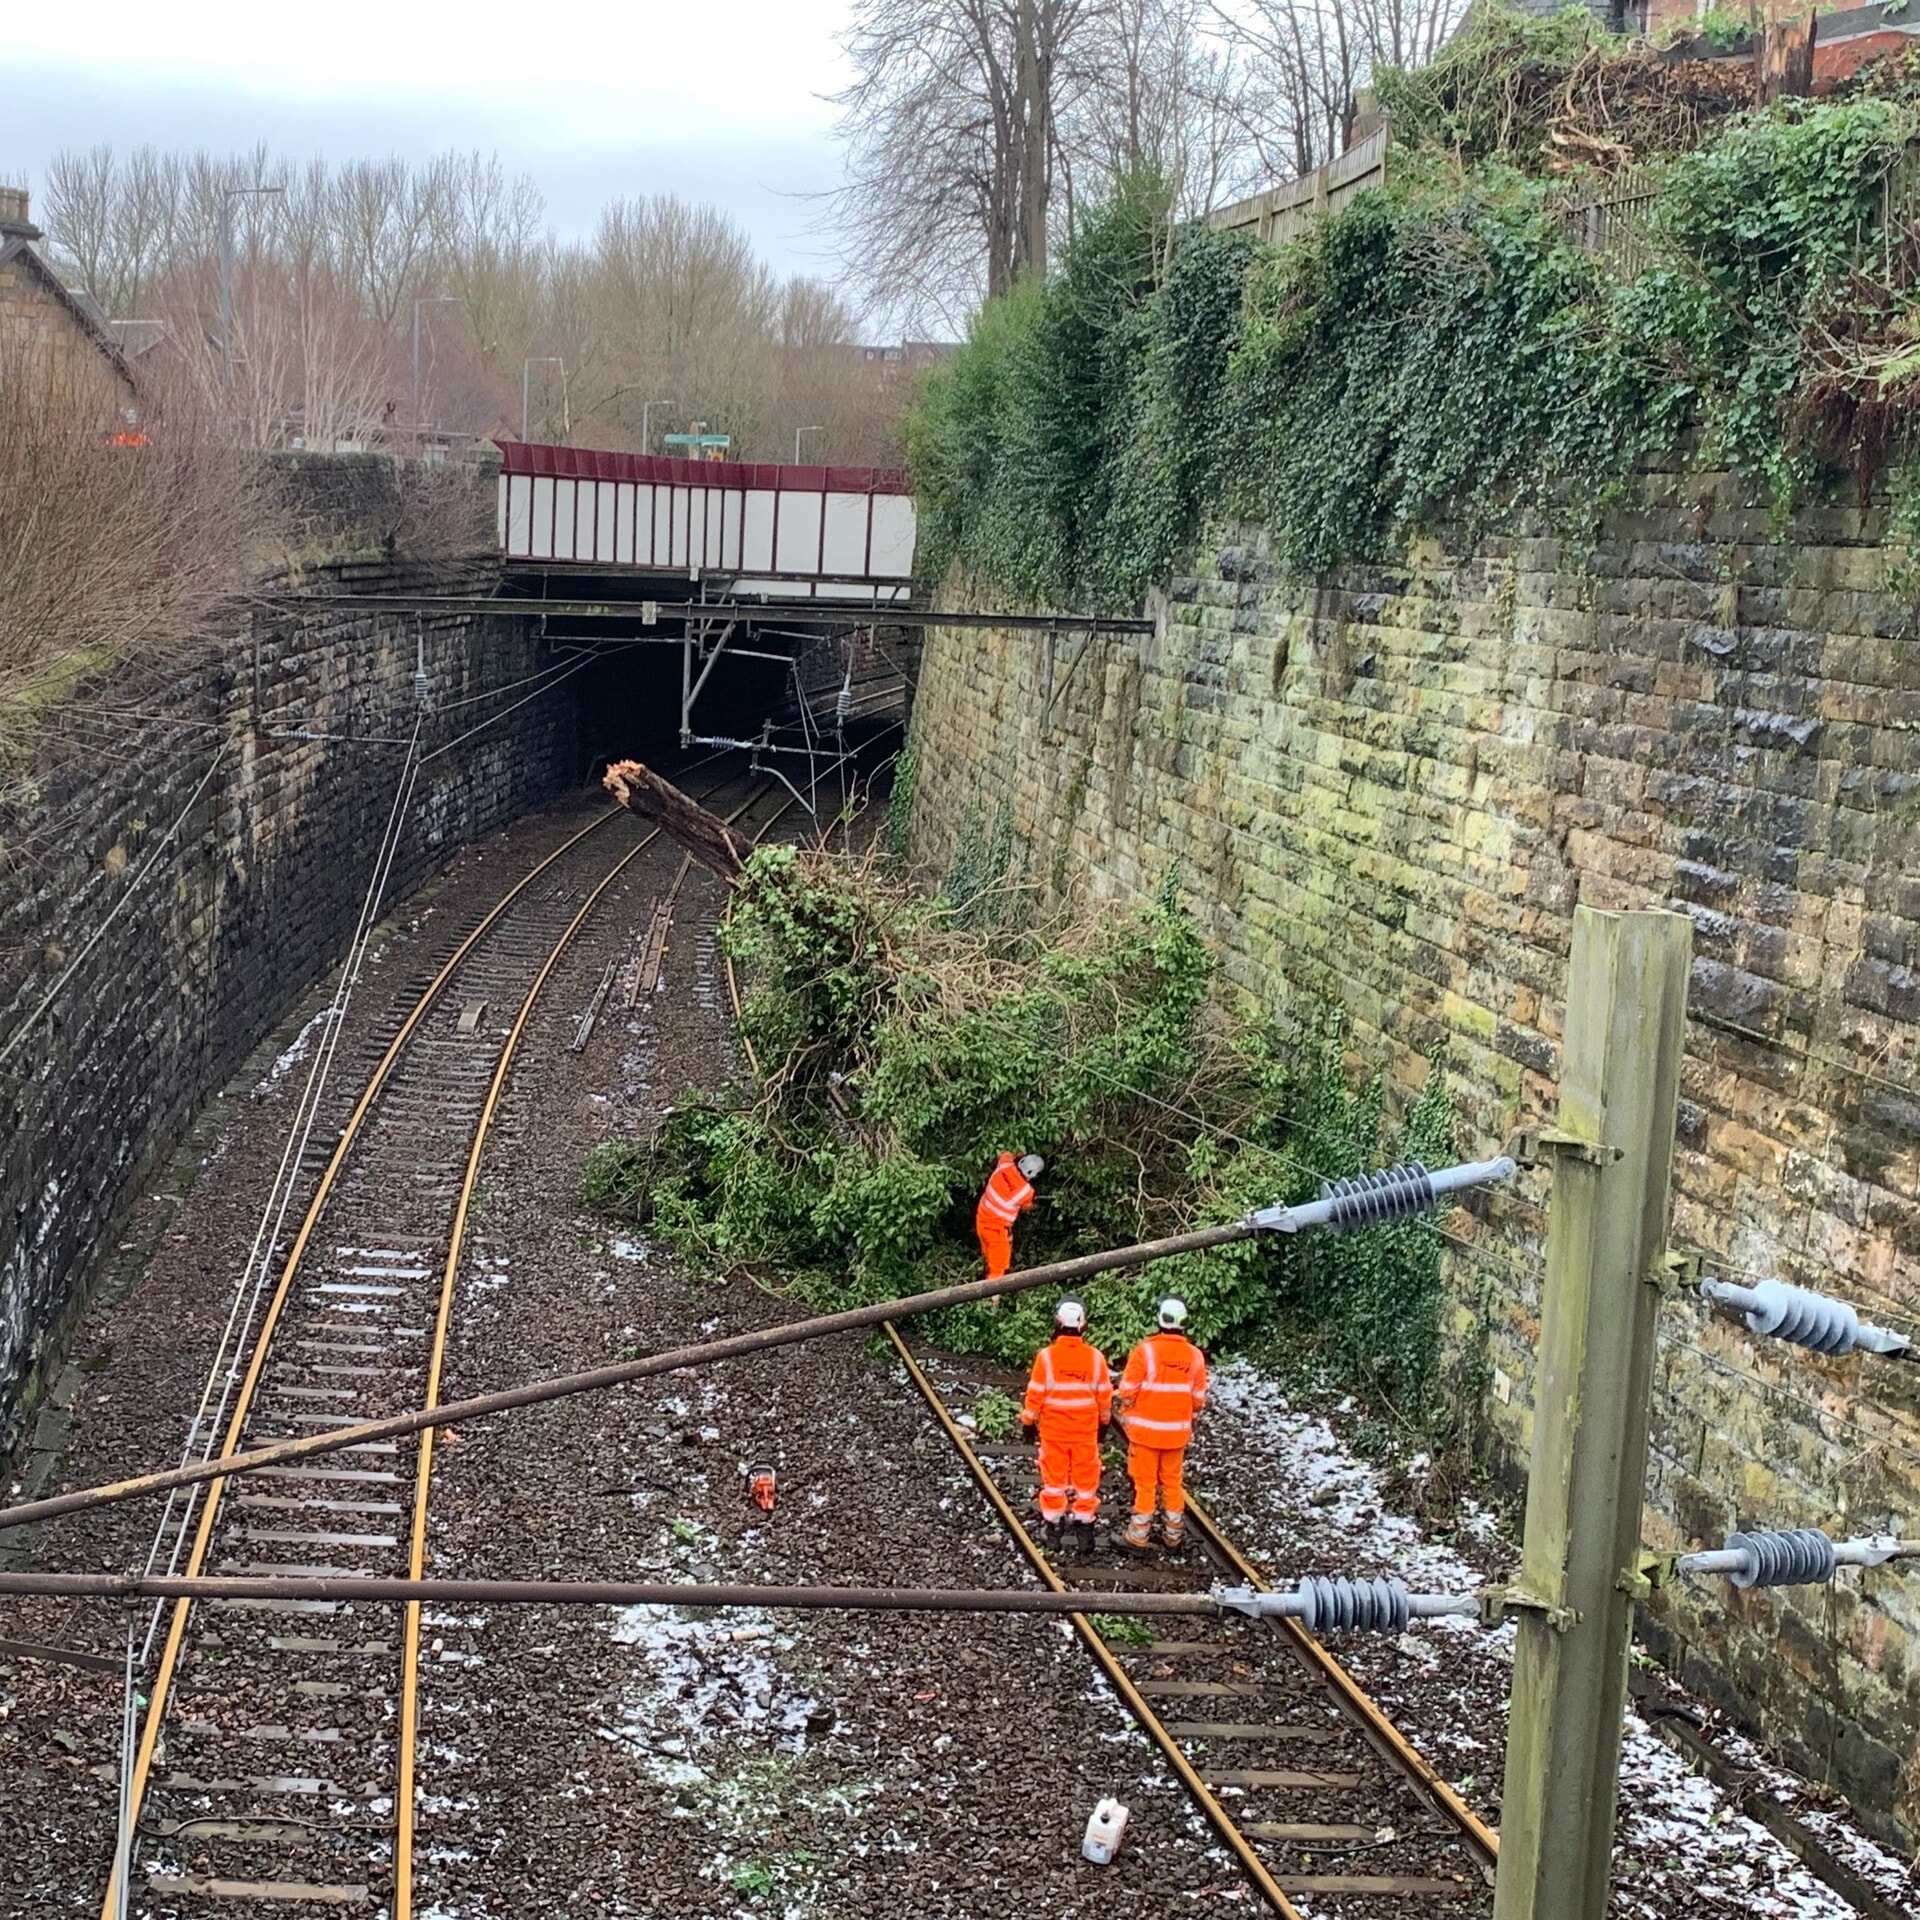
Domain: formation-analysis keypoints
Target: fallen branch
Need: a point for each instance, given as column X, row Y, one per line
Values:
column 704, row 835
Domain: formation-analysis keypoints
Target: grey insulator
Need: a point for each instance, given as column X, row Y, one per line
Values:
column 1802, row 1557
column 1807, row 1319
column 1353, row 1606
column 1371, row 1201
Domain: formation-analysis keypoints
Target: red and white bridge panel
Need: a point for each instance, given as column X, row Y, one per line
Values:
column 786, row 531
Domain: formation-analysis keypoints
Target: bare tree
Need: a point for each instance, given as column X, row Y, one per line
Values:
column 132, row 549
column 667, row 301
column 1307, row 58
column 951, row 125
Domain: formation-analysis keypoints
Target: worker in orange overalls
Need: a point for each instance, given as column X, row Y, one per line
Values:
column 1009, row 1194
column 1069, row 1402
column 1163, row 1387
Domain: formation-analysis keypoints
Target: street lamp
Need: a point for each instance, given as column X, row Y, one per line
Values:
column 227, row 198
column 425, row 300
column 526, row 370
column 797, row 432
column 646, row 412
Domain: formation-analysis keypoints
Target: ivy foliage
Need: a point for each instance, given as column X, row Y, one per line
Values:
column 1439, row 355
column 901, row 1049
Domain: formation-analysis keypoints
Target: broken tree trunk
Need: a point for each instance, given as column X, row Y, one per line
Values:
column 704, row 835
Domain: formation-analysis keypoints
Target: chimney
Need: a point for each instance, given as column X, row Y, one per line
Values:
column 14, row 223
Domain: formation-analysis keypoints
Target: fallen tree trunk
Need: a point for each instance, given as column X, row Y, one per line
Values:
column 704, row 835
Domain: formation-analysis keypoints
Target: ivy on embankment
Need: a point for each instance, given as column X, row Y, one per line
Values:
column 1438, row 356
column 902, row 1045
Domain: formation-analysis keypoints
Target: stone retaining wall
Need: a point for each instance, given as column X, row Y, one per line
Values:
column 230, row 808
column 1392, row 790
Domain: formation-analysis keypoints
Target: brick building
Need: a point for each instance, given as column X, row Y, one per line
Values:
column 52, row 331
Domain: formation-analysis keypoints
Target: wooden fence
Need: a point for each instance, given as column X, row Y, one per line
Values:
column 1280, row 212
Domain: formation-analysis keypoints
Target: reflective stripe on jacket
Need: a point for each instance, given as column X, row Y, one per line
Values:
column 1070, row 1392
column 1009, row 1193
column 1164, row 1386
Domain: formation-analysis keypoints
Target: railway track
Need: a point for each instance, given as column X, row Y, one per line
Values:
column 1307, row 1782
column 275, row 1768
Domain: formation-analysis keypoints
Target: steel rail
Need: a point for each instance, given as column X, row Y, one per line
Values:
column 243, row 1401
column 215, row 1470
column 1386, row 1739
column 443, row 1319
column 1136, row 1702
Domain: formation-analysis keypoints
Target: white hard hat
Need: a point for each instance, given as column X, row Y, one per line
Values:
column 1173, row 1313
column 1072, row 1315
column 1031, row 1165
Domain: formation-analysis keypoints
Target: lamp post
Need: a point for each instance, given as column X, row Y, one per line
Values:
column 646, row 414
column 797, row 432
column 425, row 300
column 227, row 198
column 526, row 372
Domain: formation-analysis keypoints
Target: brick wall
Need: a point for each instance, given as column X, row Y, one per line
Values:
column 41, row 335
column 1393, row 789
column 251, row 902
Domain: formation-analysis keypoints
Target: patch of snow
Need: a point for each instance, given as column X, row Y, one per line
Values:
column 302, row 1045
column 709, row 1687
column 1681, row 1825
column 1322, row 1474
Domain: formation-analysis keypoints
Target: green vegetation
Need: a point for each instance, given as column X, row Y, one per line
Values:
column 1444, row 354
column 903, row 1044
column 994, row 1414
column 1121, row 1629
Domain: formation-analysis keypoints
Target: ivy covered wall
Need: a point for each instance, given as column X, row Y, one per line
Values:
column 1392, row 786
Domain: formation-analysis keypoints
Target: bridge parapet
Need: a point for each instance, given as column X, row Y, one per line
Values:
column 805, row 532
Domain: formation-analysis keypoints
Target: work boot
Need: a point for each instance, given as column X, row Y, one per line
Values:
column 1173, row 1530
column 1080, row 1541
column 1139, row 1533
column 1050, row 1534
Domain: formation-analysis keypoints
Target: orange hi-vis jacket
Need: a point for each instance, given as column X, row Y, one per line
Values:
column 1009, row 1194
column 1164, row 1386
column 1070, row 1392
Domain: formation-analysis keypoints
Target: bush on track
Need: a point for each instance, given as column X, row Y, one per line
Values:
column 902, row 1044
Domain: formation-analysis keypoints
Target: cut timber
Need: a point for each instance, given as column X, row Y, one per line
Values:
column 704, row 835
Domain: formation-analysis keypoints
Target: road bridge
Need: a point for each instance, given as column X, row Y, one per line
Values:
column 842, row 534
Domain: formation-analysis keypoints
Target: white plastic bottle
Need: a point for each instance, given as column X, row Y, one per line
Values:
column 1106, row 1827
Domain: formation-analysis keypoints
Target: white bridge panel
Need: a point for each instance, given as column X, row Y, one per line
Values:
column 756, row 538
column 796, row 547
column 893, row 533
column 843, row 547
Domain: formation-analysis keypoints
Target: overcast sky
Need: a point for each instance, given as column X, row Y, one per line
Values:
column 711, row 99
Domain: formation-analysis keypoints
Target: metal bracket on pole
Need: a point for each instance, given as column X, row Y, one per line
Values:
column 1498, row 1603
column 1649, row 1573
column 1676, row 1273
column 1538, row 1146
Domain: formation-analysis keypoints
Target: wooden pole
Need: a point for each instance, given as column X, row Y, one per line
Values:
column 1606, row 1241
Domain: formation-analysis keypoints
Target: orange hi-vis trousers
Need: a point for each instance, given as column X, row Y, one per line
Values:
column 996, row 1246
column 1157, row 1471
column 1069, row 1467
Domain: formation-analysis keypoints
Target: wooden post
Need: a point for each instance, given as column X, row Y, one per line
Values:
column 1606, row 1242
